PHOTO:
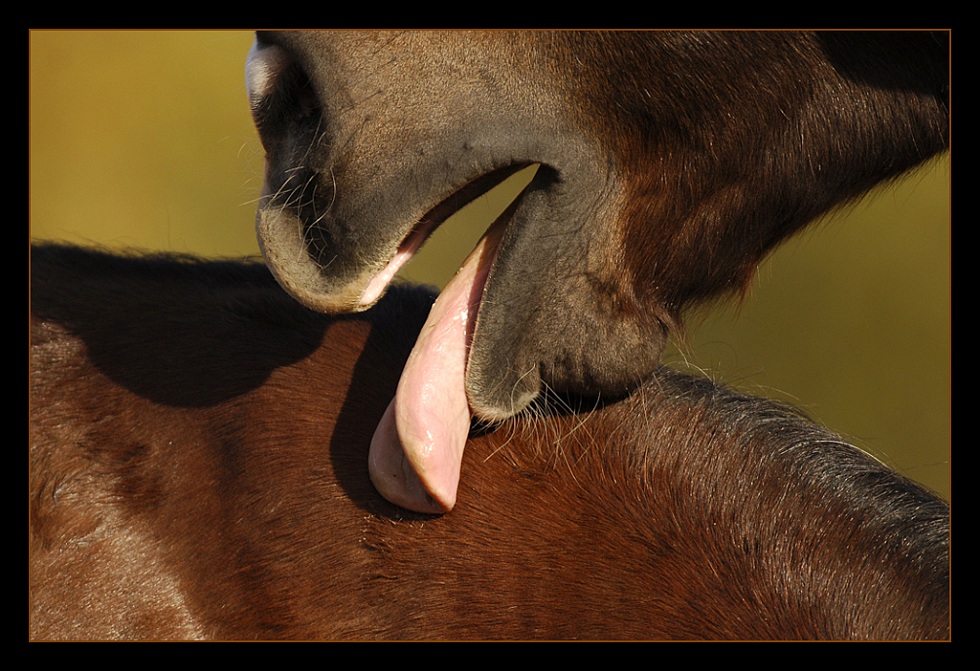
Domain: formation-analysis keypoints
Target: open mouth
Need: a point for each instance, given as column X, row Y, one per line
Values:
column 432, row 220
column 417, row 449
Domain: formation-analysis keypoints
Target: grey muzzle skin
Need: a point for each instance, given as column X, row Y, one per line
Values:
column 351, row 179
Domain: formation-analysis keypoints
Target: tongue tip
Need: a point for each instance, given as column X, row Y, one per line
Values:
column 407, row 492
column 396, row 479
column 401, row 486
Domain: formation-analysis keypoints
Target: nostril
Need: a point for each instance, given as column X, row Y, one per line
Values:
column 306, row 100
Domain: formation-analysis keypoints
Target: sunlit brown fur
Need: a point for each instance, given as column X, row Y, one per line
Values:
column 198, row 470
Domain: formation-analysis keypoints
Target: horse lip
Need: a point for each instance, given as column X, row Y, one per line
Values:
column 434, row 218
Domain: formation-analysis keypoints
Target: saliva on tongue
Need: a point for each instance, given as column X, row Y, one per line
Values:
column 417, row 449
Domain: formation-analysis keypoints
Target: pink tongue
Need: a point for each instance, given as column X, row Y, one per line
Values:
column 417, row 448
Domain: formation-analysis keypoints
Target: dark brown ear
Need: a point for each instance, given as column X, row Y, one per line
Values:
column 671, row 164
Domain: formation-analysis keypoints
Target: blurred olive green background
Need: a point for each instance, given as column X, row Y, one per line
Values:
column 143, row 139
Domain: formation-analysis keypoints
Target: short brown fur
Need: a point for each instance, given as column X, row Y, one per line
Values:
column 198, row 470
